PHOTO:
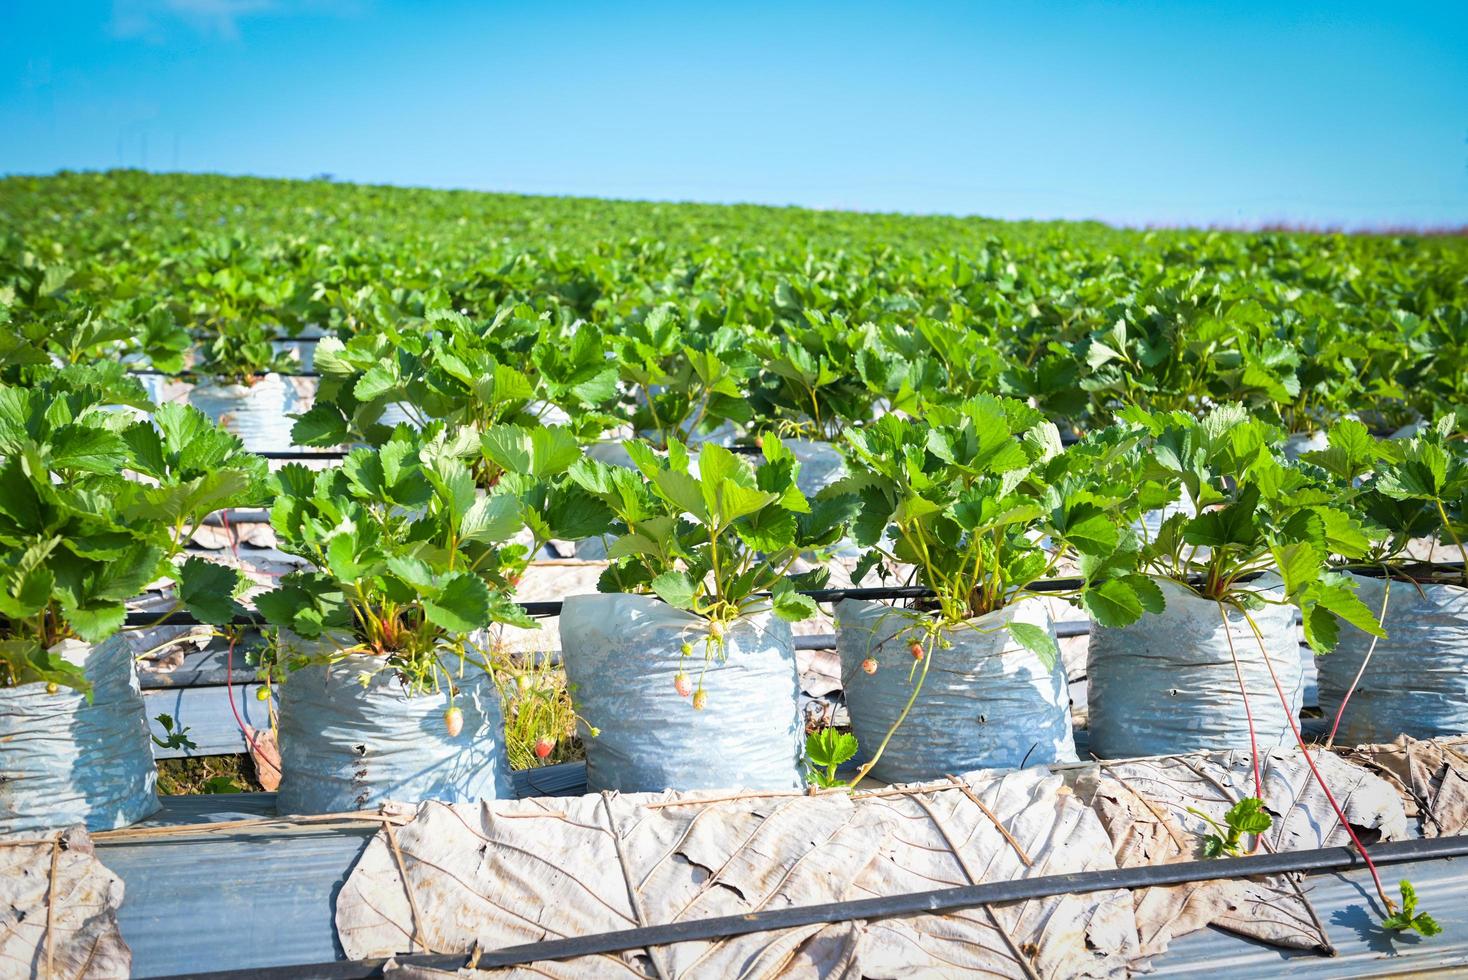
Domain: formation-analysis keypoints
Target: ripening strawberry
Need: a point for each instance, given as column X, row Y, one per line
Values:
column 543, row 747
column 700, row 698
column 917, row 651
column 453, row 721
column 682, row 684
column 869, row 665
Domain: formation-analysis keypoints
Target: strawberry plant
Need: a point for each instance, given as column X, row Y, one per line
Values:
column 408, row 560
column 718, row 542
column 818, row 378
column 1253, row 513
column 1247, row 816
column 1408, row 919
column 825, row 751
column 981, row 501
column 78, row 539
column 680, row 384
column 1246, row 512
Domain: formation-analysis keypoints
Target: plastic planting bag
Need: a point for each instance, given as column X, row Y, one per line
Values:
column 256, row 413
column 1298, row 444
column 986, row 703
column 65, row 761
column 1167, row 683
column 1416, row 682
column 346, row 747
column 820, row 465
column 622, row 652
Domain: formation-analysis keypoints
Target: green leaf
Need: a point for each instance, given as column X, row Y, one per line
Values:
column 1115, row 602
column 792, row 606
column 322, row 425
column 492, row 518
column 1036, row 640
column 207, row 590
column 682, row 491
column 462, row 603
column 674, row 588
column 735, row 501
column 1248, row 816
column 1298, row 564
column 829, row 747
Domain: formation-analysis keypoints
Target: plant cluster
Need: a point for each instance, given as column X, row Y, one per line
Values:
column 79, row 537
column 773, row 319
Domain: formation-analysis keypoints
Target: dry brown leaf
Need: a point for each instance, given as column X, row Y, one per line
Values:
column 1145, row 806
column 265, row 754
column 1431, row 776
column 82, row 940
column 517, row 872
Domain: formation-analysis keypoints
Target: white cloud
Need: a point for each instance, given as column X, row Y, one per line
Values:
column 150, row 20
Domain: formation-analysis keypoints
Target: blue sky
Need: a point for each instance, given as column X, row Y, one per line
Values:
column 1188, row 112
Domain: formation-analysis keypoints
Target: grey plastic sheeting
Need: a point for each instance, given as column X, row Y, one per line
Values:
column 1168, row 684
column 1300, row 443
column 348, row 747
column 256, row 413
column 820, row 465
column 986, row 703
column 621, row 654
column 66, row 761
column 1417, row 678
column 264, row 896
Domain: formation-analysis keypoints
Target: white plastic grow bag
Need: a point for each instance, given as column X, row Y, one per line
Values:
column 257, row 413
column 1416, row 682
column 346, row 747
column 65, row 761
column 1298, row 444
column 622, row 652
column 820, row 465
column 1167, row 683
column 986, row 703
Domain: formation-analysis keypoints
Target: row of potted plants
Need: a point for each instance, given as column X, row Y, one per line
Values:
column 1080, row 319
column 414, row 547
column 665, row 371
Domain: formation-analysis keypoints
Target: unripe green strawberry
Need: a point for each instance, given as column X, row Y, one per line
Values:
column 262, row 693
column 700, row 698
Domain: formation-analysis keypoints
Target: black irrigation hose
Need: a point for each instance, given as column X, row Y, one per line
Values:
column 1312, row 861
column 185, row 375
column 552, row 607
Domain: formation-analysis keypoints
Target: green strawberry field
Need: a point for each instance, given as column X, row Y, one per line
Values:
column 465, row 484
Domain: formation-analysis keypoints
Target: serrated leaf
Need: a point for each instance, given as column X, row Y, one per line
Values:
column 1036, row 640
column 207, row 589
column 674, row 588
column 462, row 604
